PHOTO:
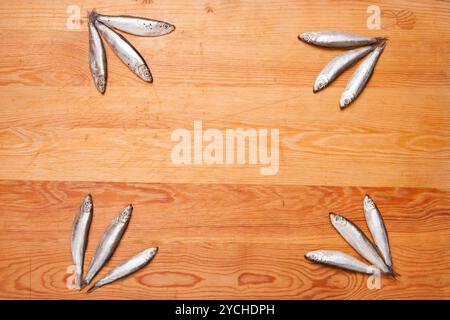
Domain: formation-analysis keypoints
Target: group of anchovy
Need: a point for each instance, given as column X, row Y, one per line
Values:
column 340, row 39
column 105, row 249
column 104, row 25
column 381, row 260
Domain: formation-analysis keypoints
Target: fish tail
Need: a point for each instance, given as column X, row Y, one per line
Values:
column 393, row 273
column 92, row 15
column 92, row 288
column 382, row 45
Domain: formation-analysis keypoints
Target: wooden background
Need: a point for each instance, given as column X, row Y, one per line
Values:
column 224, row 231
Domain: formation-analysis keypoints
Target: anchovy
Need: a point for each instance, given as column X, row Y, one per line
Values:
column 127, row 267
column 337, row 39
column 341, row 260
column 80, row 232
column 338, row 65
column 125, row 51
column 357, row 239
column 359, row 79
column 97, row 56
column 377, row 228
column 109, row 242
column 137, row 26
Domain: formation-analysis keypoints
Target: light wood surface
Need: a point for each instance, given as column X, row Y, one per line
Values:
column 224, row 231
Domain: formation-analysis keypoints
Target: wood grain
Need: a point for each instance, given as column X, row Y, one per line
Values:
column 221, row 241
column 224, row 231
column 226, row 68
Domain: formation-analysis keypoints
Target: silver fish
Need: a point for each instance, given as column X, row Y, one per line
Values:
column 80, row 232
column 338, row 65
column 125, row 51
column 337, row 39
column 357, row 239
column 341, row 260
column 137, row 26
column 359, row 79
column 377, row 229
column 97, row 56
column 127, row 267
column 109, row 242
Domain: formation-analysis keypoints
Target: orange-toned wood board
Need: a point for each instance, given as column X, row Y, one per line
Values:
column 224, row 230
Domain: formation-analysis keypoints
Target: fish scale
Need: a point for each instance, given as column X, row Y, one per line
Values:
column 358, row 240
column 377, row 228
column 337, row 39
column 108, row 243
column 125, row 51
column 80, row 232
column 341, row 260
column 360, row 77
column 127, row 267
column 338, row 65
column 137, row 26
column 97, row 55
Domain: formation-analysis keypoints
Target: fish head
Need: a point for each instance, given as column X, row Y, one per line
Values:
column 164, row 27
column 308, row 37
column 346, row 98
column 125, row 215
column 87, row 204
column 144, row 73
column 368, row 203
column 315, row 256
column 321, row 82
column 150, row 253
column 337, row 219
column 100, row 83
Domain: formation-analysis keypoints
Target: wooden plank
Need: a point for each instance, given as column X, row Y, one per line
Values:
column 226, row 17
column 168, row 107
column 179, row 59
column 224, row 231
column 395, row 135
column 144, row 155
column 221, row 241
